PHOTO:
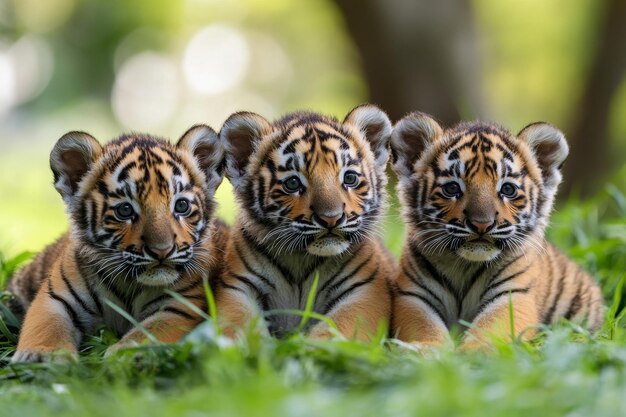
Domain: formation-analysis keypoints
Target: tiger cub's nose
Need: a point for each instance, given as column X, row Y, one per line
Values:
column 481, row 225
column 161, row 251
column 329, row 220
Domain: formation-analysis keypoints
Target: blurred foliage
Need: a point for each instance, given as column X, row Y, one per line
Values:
column 534, row 56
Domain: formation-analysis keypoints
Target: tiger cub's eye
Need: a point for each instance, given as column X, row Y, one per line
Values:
column 451, row 189
column 124, row 211
column 508, row 190
column 351, row 179
column 182, row 207
column 292, row 184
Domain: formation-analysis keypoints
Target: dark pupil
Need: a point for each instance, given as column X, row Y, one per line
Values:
column 292, row 184
column 181, row 206
column 452, row 188
column 125, row 210
column 508, row 189
column 350, row 179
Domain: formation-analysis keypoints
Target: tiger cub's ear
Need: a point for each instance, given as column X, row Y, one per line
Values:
column 72, row 156
column 548, row 145
column 375, row 126
column 205, row 145
column 411, row 136
column 241, row 134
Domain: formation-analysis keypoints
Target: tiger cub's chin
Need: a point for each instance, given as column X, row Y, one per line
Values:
column 159, row 276
column 478, row 252
column 328, row 246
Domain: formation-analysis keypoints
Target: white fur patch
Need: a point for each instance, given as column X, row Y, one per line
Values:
column 159, row 276
column 478, row 251
column 328, row 246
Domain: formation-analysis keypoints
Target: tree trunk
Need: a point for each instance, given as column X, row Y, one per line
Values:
column 418, row 55
column 590, row 158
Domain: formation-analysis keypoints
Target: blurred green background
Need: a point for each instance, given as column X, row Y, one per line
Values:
column 159, row 66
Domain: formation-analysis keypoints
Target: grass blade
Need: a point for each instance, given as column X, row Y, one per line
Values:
column 312, row 314
column 208, row 292
column 6, row 332
column 9, row 317
column 188, row 304
column 132, row 320
column 511, row 316
column 310, row 303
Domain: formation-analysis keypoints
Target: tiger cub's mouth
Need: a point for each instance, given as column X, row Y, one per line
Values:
column 478, row 250
column 328, row 245
column 158, row 276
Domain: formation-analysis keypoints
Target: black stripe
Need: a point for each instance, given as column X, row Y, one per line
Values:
column 501, row 281
column 89, row 285
column 230, row 287
column 441, row 279
column 464, row 291
column 74, row 293
column 317, row 260
column 473, row 279
column 155, row 300
column 254, row 244
column 575, row 302
column 485, row 303
column 174, row 310
column 251, row 270
column 551, row 289
column 331, row 279
column 424, row 300
column 68, row 307
column 559, row 292
column 191, row 286
column 415, row 280
column 248, row 282
column 196, row 297
column 338, row 285
column 115, row 291
column 331, row 304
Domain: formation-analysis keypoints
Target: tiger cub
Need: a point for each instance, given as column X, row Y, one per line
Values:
column 476, row 201
column 310, row 191
column 141, row 221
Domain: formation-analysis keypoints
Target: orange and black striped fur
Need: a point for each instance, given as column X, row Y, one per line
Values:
column 311, row 191
column 476, row 201
column 141, row 221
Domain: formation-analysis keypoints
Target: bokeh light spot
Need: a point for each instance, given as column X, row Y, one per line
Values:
column 215, row 60
column 146, row 92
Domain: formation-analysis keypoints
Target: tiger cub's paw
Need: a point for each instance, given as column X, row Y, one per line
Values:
column 474, row 344
column 322, row 331
column 121, row 345
column 425, row 349
column 43, row 356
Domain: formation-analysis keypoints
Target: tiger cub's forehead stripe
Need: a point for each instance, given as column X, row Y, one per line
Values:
column 294, row 150
column 480, row 150
column 146, row 169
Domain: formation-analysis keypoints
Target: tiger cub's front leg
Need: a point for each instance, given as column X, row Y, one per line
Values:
column 52, row 324
column 415, row 322
column 359, row 309
column 167, row 326
column 495, row 321
column 169, row 323
column 236, row 307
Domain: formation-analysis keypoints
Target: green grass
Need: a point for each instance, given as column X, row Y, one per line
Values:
column 565, row 371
